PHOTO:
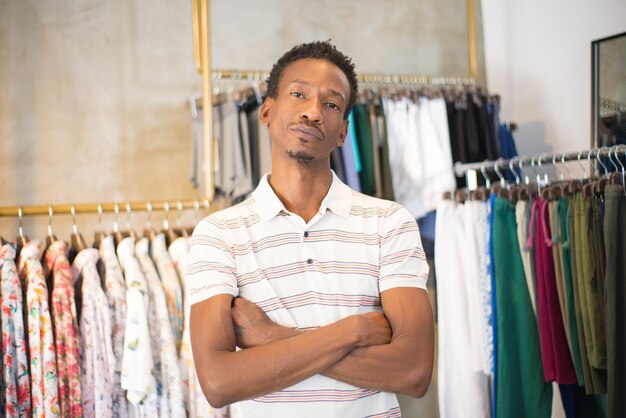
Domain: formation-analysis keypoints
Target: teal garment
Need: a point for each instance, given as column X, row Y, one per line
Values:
column 355, row 147
column 363, row 129
column 563, row 207
column 521, row 391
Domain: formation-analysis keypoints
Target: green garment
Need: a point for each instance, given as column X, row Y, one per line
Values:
column 585, row 294
column 563, row 207
column 615, row 297
column 520, row 387
column 363, row 129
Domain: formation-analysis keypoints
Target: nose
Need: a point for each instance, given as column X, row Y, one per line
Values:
column 312, row 110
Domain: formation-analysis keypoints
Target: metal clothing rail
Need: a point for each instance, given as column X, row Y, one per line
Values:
column 590, row 155
column 116, row 207
column 368, row 78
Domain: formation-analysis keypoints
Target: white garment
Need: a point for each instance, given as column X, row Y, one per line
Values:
column 195, row 402
column 522, row 237
column 97, row 358
column 169, row 385
column 469, row 214
column 419, row 152
column 137, row 365
column 116, row 294
column 462, row 390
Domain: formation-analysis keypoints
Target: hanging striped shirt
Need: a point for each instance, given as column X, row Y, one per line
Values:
column 307, row 275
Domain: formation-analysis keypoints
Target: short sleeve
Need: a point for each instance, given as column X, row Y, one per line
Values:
column 211, row 268
column 402, row 258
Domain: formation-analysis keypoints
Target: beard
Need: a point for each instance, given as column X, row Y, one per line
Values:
column 301, row 157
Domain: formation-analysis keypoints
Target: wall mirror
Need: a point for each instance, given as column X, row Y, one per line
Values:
column 608, row 91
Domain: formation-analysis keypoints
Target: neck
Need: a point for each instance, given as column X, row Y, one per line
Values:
column 301, row 188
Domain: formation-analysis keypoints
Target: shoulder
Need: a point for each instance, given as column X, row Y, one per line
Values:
column 369, row 206
column 241, row 215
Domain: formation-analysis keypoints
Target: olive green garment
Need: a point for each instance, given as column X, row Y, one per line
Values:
column 363, row 130
column 563, row 206
column 595, row 379
column 384, row 155
column 376, row 152
column 593, row 264
column 615, row 297
column 520, row 387
column 587, row 405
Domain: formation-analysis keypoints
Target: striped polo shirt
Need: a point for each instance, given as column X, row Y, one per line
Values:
column 307, row 275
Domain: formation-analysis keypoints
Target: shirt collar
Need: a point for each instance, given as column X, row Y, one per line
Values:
column 338, row 199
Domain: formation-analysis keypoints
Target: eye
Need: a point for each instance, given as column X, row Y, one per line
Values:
column 332, row 105
column 297, row 94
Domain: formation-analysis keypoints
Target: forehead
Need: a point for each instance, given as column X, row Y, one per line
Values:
column 316, row 72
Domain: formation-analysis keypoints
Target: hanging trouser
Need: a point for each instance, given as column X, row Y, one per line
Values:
column 521, row 390
column 615, row 297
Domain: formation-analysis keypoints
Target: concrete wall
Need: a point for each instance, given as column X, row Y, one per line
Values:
column 93, row 93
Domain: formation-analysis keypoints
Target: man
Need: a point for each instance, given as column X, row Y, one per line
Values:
column 322, row 288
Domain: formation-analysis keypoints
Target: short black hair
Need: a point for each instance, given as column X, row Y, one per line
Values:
column 319, row 50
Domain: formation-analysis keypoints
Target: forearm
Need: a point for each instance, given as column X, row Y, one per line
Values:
column 395, row 367
column 232, row 376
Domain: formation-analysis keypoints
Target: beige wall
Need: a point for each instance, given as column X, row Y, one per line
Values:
column 93, row 93
column 538, row 56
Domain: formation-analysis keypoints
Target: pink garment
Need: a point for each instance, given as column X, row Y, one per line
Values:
column 555, row 354
column 65, row 329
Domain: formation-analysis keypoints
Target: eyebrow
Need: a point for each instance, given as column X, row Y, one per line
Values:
column 331, row 91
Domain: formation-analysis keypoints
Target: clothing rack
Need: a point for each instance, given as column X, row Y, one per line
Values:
column 99, row 208
column 462, row 169
column 367, row 78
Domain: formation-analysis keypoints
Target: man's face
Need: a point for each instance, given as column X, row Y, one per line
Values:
column 306, row 117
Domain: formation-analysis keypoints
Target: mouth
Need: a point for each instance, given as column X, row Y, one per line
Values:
column 307, row 132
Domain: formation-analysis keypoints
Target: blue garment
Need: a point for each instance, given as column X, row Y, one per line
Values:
column 494, row 323
column 508, row 149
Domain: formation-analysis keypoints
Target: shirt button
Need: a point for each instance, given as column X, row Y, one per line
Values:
column 306, row 234
column 309, row 261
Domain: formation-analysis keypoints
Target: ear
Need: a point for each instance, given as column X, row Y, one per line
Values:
column 343, row 133
column 266, row 110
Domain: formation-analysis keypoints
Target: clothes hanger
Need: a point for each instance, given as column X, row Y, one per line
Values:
column 117, row 234
column 21, row 240
column 170, row 235
column 575, row 185
column 180, row 231
column 149, row 232
column 77, row 240
column 601, row 183
column 589, row 189
column 51, row 237
column 482, row 192
column 99, row 234
column 514, row 189
column 546, row 192
column 499, row 188
column 129, row 232
column 616, row 178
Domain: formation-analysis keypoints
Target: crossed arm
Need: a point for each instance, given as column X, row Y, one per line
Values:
column 392, row 352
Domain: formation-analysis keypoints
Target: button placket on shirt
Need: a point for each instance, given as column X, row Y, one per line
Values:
column 305, row 235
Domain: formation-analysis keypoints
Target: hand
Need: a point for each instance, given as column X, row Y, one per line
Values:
column 253, row 327
column 372, row 329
